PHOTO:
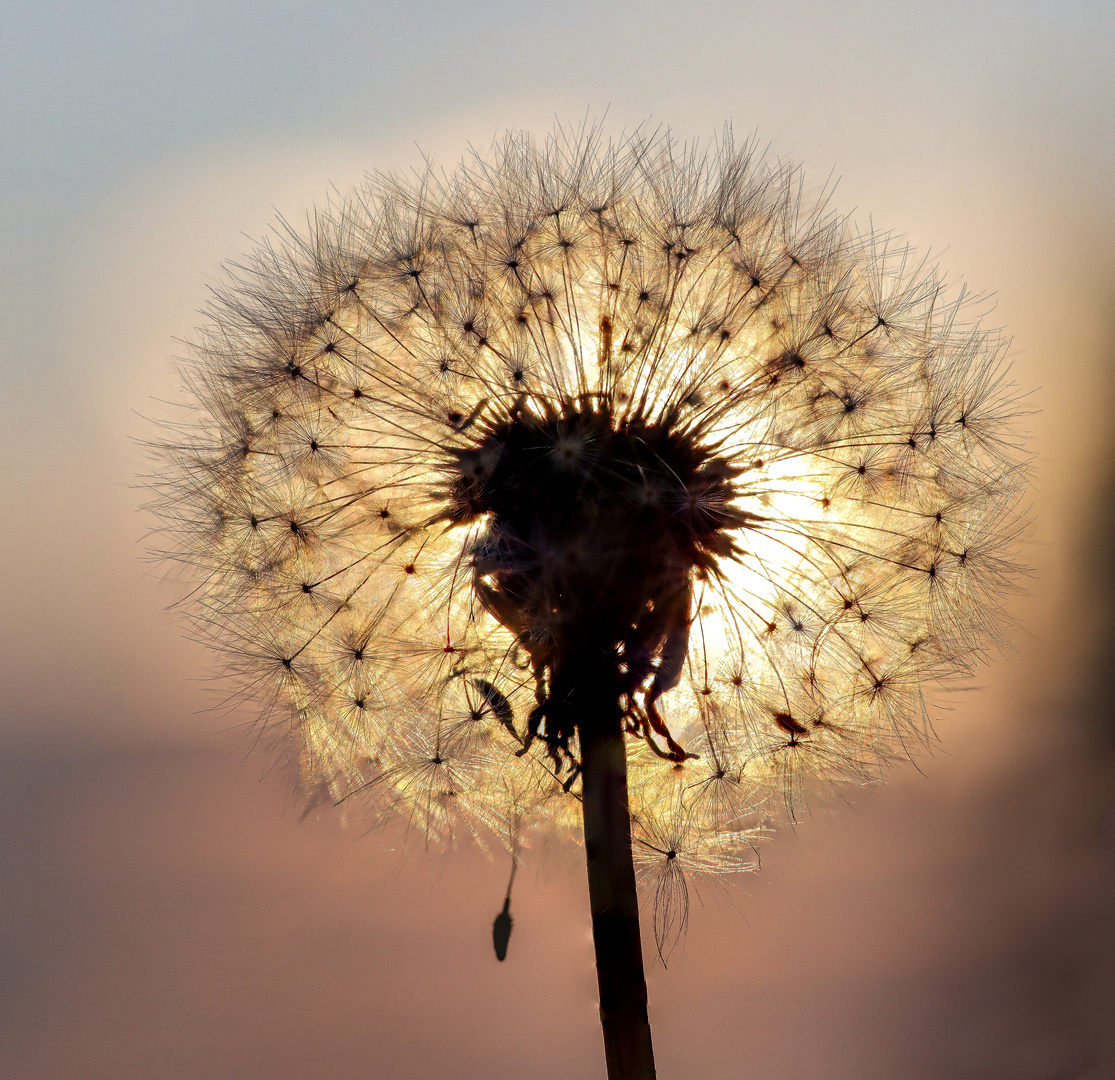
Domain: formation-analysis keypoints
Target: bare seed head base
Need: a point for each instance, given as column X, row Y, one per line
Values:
column 595, row 484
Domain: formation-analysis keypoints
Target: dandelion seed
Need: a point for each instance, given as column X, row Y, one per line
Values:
column 595, row 475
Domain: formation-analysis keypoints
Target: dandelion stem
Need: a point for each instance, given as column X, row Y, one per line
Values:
column 613, row 898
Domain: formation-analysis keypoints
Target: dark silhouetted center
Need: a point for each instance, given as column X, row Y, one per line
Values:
column 595, row 531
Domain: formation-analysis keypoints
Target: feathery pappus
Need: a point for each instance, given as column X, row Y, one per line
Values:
column 629, row 400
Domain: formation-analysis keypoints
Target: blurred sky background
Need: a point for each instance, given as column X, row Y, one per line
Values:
column 163, row 911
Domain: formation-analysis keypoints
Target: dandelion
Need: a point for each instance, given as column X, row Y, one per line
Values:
column 595, row 486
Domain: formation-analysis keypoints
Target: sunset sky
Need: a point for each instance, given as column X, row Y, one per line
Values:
column 164, row 912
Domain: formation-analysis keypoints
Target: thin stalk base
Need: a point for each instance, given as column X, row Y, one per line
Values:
column 615, row 903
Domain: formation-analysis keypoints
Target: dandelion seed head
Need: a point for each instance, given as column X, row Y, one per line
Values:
column 627, row 395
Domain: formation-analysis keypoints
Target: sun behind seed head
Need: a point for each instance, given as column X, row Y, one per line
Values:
column 627, row 385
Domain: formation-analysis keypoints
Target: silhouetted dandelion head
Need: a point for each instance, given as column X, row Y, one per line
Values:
column 626, row 407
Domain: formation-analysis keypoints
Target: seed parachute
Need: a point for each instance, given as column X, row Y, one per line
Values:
column 586, row 417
